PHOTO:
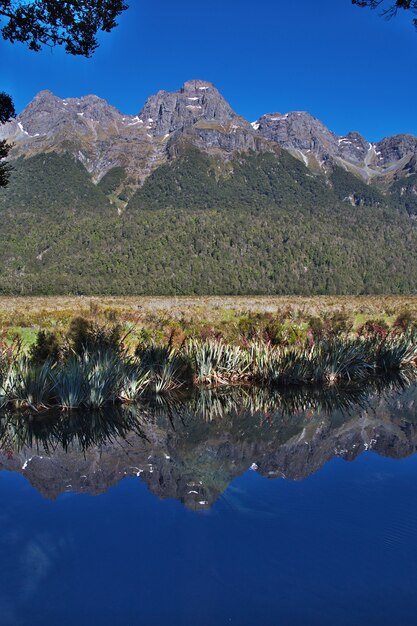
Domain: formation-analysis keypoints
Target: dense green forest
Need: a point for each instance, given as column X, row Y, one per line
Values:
column 259, row 224
column 403, row 194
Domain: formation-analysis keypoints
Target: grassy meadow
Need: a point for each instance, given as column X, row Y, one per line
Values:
column 70, row 353
column 156, row 319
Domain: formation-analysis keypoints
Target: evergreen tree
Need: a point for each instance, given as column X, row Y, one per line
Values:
column 6, row 113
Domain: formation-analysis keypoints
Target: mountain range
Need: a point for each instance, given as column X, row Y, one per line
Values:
column 189, row 197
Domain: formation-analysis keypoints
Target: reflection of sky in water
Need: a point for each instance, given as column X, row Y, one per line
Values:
column 337, row 548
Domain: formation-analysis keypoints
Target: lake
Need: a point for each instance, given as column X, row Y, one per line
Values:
column 235, row 506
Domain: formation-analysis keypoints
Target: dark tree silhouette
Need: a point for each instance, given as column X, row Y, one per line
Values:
column 6, row 108
column 390, row 9
column 6, row 113
column 73, row 24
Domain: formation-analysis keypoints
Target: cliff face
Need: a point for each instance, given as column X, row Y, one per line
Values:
column 305, row 136
column 167, row 112
column 299, row 132
column 88, row 128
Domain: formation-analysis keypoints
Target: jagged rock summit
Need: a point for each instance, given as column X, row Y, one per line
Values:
column 102, row 138
column 167, row 112
column 309, row 139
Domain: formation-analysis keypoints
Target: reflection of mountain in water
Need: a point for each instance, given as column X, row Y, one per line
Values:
column 190, row 449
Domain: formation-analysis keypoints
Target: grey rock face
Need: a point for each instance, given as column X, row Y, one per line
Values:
column 299, row 130
column 221, row 139
column 167, row 112
column 41, row 115
column 306, row 137
column 393, row 149
column 47, row 116
column 353, row 148
column 95, row 133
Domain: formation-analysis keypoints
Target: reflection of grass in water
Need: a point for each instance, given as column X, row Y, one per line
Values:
column 81, row 428
column 250, row 411
column 290, row 400
column 101, row 377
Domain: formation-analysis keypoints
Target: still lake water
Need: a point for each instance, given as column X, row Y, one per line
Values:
column 230, row 508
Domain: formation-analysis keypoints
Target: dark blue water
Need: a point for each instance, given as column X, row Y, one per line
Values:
column 336, row 548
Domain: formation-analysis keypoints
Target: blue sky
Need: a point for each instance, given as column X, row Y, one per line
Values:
column 347, row 66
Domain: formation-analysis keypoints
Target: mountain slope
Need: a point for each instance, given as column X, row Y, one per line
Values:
column 53, row 182
column 196, row 180
column 263, row 224
column 308, row 139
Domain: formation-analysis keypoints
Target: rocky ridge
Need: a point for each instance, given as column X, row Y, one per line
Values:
column 102, row 138
column 307, row 138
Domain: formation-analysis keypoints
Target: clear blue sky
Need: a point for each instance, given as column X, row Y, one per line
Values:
column 347, row 66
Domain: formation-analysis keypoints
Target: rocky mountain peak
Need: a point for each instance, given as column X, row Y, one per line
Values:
column 353, row 147
column 43, row 101
column 44, row 96
column 396, row 148
column 35, row 119
column 48, row 117
column 198, row 85
column 299, row 131
column 167, row 112
column 101, row 137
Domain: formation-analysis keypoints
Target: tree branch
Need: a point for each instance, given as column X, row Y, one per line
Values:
column 73, row 23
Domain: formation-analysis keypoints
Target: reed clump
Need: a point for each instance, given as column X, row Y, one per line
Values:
column 92, row 368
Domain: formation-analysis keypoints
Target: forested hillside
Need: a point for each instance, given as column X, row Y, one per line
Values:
column 257, row 223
